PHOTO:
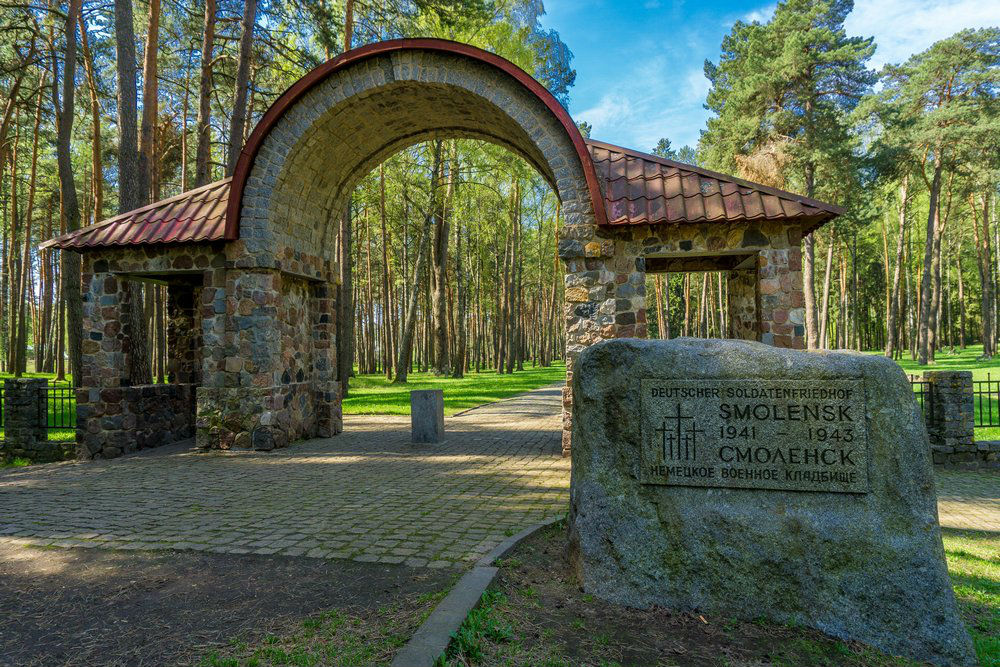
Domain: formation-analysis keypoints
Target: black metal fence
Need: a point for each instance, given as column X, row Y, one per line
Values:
column 922, row 392
column 986, row 395
column 59, row 404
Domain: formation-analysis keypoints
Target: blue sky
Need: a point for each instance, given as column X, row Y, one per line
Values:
column 639, row 62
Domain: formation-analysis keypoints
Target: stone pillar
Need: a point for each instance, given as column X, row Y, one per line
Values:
column 99, row 419
column 183, row 334
column 950, row 417
column 743, row 306
column 605, row 298
column 782, row 301
column 25, row 417
column 270, row 382
column 322, row 307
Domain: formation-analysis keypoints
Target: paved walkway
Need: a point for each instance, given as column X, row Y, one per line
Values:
column 367, row 494
column 969, row 500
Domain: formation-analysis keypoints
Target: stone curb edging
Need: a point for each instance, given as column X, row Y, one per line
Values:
column 432, row 637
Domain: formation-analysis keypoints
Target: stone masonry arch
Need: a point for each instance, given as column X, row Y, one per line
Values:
column 294, row 178
column 344, row 118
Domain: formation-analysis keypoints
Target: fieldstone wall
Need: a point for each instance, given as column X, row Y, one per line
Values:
column 251, row 351
column 606, row 279
column 113, row 417
column 271, row 380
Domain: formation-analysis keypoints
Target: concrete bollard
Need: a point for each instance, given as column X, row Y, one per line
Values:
column 427, row 416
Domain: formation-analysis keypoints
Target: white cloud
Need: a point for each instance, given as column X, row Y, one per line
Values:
column 904, row 27
column 761, row 14
column 652, row 100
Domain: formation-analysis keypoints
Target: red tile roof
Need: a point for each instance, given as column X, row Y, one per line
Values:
column 638, row 189
column 195, row 215
column 642, row 189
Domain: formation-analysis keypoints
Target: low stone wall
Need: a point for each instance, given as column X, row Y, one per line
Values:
column 112, row 422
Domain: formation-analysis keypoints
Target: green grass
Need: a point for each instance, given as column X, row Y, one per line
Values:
column 373, row 394
column 963, row 360
column 16, row 462
column 966, row 360
column 345, row 638
column 974, row 567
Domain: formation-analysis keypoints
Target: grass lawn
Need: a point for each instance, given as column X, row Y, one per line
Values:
column 974, row 566
column 374, row 395
column 535, row 614
column 967, row 360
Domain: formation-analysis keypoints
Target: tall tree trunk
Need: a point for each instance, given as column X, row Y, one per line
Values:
column 203, row 151
column 132, row 190
column 348, row 25
column 29, row 213
column 345, row 303
column 242, row 81
column 97, row 186
column 824, row 320
column 985, row 265
column 892, row 334
column 459, row 362
column 687, row 305
column 661, row 324
column 926, row 280
column 809, row 274
column 386, row 311
column 961, row 296
column 150, row 106
column 439, row 278
column 410, row 320
column 67, row 187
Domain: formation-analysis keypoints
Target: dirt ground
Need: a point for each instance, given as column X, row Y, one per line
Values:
column 535, row 614
column 97, row 607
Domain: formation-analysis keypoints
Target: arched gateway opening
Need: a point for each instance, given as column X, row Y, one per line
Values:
column 250, row 267
column 303, row 160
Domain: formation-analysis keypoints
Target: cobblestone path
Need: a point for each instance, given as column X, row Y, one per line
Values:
column 367, row 494
column 969, row 500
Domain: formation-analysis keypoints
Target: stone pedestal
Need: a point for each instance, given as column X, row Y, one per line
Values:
column 427, row 416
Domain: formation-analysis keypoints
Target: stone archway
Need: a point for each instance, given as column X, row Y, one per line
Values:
column 249, row 261
column 294, row 178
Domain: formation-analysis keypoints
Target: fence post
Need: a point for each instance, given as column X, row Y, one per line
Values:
column 25, row 418
column 951, row 423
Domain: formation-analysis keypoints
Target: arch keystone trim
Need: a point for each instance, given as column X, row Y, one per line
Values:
column 299, row 89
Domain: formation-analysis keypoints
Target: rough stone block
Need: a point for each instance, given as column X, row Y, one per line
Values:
column 838, row 535
column 427, row 416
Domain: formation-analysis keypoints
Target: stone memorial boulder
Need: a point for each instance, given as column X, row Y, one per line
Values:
column 736, row 478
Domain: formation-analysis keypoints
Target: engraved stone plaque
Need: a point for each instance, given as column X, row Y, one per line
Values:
column 800, row 435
